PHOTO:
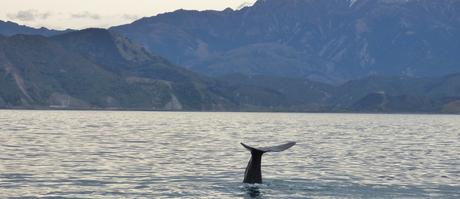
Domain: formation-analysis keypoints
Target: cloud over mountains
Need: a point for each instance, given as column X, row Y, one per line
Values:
column 29, row 15
column 37, row 18
column 86, row 14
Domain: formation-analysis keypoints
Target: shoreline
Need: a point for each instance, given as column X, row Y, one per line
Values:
column 219, row 111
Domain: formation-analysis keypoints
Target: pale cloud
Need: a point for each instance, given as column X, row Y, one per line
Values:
column 130, row 17
column 28, row 15
column 86, row 14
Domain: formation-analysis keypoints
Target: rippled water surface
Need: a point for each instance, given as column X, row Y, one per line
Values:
column 73, row 154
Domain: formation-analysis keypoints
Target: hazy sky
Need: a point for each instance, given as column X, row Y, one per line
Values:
column 62, row 14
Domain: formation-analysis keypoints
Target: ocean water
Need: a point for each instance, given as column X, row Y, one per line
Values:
column 111, row 154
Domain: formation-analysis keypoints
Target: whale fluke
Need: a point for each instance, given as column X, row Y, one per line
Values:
column 253, row 173
column 278, row 148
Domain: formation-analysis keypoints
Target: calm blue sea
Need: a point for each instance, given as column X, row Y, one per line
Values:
column 111, row 154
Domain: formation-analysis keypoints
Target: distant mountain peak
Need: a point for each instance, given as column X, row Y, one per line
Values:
column 245, row 4
column 9, row 28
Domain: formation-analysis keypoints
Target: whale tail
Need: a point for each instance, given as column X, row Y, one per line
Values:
column 277, row 148
column 253, row 173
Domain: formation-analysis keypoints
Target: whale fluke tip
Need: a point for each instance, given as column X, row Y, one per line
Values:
column 277, row 148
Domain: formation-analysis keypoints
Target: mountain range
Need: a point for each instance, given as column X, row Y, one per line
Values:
column 9, row 28
column 327, row 40
column 277, row 55
column 95, row 68
column 371, row 94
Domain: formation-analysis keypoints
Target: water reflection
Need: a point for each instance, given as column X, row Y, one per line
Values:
column 252, row 191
